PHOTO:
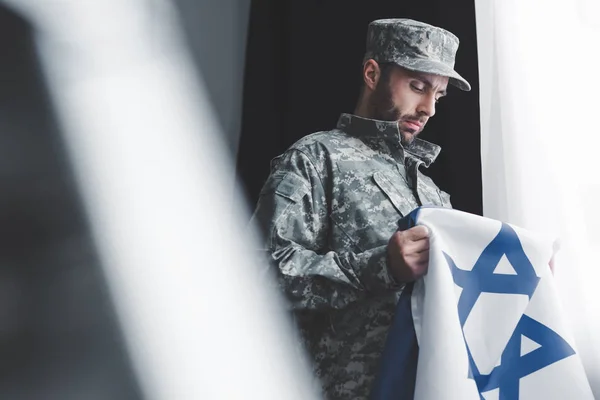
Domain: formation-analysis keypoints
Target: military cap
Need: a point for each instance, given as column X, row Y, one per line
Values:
column 415, row 46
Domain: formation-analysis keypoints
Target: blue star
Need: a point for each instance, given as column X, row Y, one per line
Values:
column 482, row 279
column 513, row 367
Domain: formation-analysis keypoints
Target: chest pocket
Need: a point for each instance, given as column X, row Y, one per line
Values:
column 401, row 197
column 367, row 214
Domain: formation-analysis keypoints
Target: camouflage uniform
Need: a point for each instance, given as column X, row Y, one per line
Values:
column 328, row 210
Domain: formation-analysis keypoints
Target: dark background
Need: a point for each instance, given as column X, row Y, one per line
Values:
column 303, row 66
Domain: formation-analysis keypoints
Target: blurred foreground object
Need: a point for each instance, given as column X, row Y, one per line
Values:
column 143, row 142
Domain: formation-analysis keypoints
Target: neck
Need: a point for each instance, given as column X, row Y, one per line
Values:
column 361, row 109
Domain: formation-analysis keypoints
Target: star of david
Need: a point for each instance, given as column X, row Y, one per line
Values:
column 482, row 279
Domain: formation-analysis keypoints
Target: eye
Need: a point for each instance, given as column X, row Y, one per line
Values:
column 417, row 88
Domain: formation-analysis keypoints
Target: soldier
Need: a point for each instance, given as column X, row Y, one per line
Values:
column 330, row 207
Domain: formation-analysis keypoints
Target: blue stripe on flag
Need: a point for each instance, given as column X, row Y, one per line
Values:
column 398, row 365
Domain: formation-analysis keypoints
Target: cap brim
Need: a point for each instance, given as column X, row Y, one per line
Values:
column 436, row 68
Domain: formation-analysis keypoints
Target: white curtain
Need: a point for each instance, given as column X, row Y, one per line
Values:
column 539, row 95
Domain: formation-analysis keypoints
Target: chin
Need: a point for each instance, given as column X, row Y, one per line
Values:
column 407, row 138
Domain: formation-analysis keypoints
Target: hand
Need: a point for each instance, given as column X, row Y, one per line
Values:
column 408, row 254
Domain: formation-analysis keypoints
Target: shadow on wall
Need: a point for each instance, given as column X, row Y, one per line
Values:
column 217, row 42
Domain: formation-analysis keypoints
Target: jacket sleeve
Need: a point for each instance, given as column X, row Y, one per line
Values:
column 293, row 213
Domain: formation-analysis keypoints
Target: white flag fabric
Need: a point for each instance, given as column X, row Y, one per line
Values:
column 536, row 173
column 486, row 318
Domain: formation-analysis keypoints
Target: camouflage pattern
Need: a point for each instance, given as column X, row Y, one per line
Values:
column 328, row 210
column 415, row 46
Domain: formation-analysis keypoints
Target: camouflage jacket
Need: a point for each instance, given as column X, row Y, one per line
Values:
column 327, row 210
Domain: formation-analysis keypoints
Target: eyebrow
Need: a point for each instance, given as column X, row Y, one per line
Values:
column 429, row 83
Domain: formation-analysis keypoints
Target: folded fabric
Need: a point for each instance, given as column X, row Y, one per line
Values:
column 484, row 323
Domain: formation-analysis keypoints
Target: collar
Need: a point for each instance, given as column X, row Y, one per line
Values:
column 357, row 126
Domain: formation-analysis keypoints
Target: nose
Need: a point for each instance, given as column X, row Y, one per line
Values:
column 427, row 106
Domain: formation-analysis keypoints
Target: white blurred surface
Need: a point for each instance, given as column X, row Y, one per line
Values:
column 143, row 140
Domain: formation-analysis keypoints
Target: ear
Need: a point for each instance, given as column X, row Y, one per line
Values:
column 371, row 73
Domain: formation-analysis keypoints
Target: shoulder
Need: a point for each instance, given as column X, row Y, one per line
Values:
column 324, row 141
column 317, row 150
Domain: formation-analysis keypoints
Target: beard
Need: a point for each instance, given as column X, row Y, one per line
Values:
column 381, row 107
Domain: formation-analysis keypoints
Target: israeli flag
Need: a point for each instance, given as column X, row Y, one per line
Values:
column 484, row 323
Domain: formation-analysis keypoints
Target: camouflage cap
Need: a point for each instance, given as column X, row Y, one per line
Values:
column 415, row 46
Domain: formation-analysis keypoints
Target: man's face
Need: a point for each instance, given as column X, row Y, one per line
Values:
column 407, row 97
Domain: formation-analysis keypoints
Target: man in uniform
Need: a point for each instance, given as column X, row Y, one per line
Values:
column 330, row 207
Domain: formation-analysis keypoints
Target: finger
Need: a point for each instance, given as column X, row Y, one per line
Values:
column 423, row 250
column 415, row 247
column 420, row 268
column 415, row 260
column 417, row 233
column 410, row 253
